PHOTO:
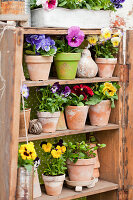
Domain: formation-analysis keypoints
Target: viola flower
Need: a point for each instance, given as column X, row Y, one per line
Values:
column 49, row 4
column 55, row 87
column 92, row 39
column 37, row 40
column 118, row 34
column 117, row 3
column 60, row 143
column 47, row 147
column 36, row 162
column 101, row 40
column 109, row 89
column 106, row 33
column 75, row 36
column 82, row 90
column 66, row 92
column 115, row 41
column 25, row 91
column 56, row 153
column 27, row 151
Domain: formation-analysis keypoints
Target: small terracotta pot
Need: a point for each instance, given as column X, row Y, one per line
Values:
column 76, row 117
column 48, row 120
column 106, row 66
column 22, row 123
column 24, row 184
column 61, row 125
column 39, row 67
column 82, row 170
column 53, row 184
column 99, row 114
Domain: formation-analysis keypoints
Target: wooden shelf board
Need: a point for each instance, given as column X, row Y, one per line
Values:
column 68, row 194
column 87, row 129
column 64, row 82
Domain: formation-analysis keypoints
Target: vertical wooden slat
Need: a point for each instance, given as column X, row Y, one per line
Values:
column 128, row 131
column 11, row 54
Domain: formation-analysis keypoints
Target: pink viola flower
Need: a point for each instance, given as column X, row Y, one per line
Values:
column 49, row 4
column 75, row 36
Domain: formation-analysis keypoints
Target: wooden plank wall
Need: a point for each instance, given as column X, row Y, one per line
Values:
column 10, row 68
column 128, row 131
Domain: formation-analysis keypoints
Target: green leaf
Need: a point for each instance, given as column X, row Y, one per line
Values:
column 28, row 167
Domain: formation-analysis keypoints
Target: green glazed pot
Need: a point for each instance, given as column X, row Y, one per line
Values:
column 66, row 65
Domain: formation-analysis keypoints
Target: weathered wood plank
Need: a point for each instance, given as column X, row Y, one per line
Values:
column 68, row 194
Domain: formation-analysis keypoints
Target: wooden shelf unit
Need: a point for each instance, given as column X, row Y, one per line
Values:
column 111, row 159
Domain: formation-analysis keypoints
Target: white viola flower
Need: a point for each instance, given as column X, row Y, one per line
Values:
column 39, row 2
column 106, row 33
column 115, row 41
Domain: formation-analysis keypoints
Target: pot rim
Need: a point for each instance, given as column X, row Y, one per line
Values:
column 106, row 60
column 58, row 178
column 26, row 110
column 48, row 114
column 87, row 106
column 89, row 161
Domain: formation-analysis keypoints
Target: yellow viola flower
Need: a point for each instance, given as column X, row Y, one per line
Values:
column 106, row 33
column 27, row 151
column 109, row 88
column 118, row 34
column 92, row 39
column 115, row 41
column 101, row 39
column 47, row 147
column 58, row 147
column 56, row 154
column 63, row 149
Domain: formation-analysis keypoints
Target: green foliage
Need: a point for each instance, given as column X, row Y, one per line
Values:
column 105, row 50
column 74, row 100
column 62, row 46
column 25, row 104
column 81, row 150
column 104, row 91
column 50, row 102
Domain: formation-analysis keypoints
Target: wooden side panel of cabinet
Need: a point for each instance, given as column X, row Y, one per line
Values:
column 10, row 75
column 128, row 131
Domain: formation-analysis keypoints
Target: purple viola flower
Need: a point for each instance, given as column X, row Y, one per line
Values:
column 60, row 143
column 75, row 36
column 66, row 92
column 45, row 44
column 37, row 40
column 25, row 91
column 55, row 87
column 117, row 3
column 28, row 39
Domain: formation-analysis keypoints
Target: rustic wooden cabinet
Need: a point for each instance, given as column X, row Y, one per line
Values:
column 116, row 160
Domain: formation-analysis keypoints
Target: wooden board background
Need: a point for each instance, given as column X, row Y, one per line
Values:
column 11, row 58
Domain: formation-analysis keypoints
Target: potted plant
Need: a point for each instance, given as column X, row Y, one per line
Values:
column 39, row 52
column 26, row 157
column 101, row 103
column 51, row 103
column 68, row 56
column 81, row 160
column 24, row 105
column 77, row 106
column 73, row 13
column 106, row 47
column 55, row 167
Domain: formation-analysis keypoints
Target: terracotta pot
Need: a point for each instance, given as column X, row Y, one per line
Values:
column 87, row 68
column 25, row 184
column 106, row 66
column 22, row 123
column 48, row 120
column 53, row 184
column 76, row 117
column 99, row 114
column 39, row 67
column 82, row 170
column 61, row 125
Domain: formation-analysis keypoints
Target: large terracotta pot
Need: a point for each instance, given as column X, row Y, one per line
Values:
column 48, row 120
column 61, row 125
column 25, row 184
column 66, row 65
column 99, row 114
column 39, row 67
column 22, row 132
column 53, row 184
column 76, row 117
column 82, row 170
column 106, row 66
column 87, row 68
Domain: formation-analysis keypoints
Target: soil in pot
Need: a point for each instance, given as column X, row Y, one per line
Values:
column 99, row 114
column 48, row 120
column 82, row 170
column 76, row 117
column 22, row 132
column 38, row 67
column 53, row 184
column 106, row 66
column 66, row 65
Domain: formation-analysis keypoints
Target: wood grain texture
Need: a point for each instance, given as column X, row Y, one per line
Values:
column 111, row 195
column 68, row 194
column 65, row 82
column 128, row 118
column 69, row 132
column 9, row 109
